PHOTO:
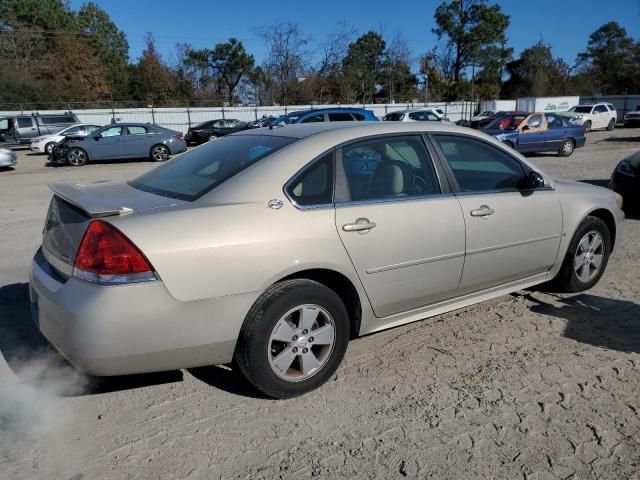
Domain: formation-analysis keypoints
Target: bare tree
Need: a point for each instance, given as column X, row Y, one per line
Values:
column 287, row 56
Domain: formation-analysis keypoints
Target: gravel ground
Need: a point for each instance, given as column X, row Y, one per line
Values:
column 531, row 385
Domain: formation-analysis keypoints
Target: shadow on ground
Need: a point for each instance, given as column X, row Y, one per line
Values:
column 598, row 321
column 634, row 139
column 227, row 378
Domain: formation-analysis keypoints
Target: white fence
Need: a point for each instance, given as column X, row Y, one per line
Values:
column 181, row 119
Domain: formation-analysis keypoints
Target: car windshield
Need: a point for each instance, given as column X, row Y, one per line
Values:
column 200, row 170
column 508, row 122
column 581, row 109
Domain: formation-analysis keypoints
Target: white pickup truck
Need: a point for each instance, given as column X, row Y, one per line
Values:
column 590, row 117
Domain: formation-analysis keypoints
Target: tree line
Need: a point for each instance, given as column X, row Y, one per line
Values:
column 53, row 56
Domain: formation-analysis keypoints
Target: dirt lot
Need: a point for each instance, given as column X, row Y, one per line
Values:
column 530, row 385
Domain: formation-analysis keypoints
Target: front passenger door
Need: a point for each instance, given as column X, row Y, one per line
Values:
column 511, row 233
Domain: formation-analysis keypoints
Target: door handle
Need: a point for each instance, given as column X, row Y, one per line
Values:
column 483, row 211
column 359, row 225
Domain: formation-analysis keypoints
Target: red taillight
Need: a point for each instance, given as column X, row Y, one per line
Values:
column 106, row 256
column 178, row 136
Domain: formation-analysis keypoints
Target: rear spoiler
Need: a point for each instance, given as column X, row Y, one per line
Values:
column 77, row 195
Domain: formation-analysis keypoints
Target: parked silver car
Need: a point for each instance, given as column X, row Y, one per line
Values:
column 8, row 158
column 275, row 247
column 118, row 141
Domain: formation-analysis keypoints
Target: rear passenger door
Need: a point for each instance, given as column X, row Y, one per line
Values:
column 512, row 233
column 402, row 229
column 137, row 141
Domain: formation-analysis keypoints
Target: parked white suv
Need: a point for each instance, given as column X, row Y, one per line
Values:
column 591, row 117
column 45, row 143
column 416, row 115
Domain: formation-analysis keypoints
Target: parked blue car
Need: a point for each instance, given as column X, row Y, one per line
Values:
column 537, row 132
column 327, row 115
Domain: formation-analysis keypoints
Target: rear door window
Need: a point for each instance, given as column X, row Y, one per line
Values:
column 389, row 168
column 136, row 130
column 24, row 122
column 340, row 117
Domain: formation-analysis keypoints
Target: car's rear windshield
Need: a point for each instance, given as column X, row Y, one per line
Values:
column 581, row 109
column 202, row 169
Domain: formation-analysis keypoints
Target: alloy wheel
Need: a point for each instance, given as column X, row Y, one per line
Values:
column 301, row 342
column 160, row 153
column 77, row 158
column 589, row 256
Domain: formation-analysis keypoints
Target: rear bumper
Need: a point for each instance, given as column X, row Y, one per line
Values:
column 580, row 141
column 134, row 328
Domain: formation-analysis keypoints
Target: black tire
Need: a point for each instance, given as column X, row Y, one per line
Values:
column 566, row 148
column 77, row 157
column 508, row 143
column 567, row 279
column 48, row 148
column 611, row 125
column 587, row 126
column 159, row 153
column 254, row 348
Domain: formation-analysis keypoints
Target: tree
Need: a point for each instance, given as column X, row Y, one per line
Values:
column 108, row 42
column 609, row 60
column 471, row 27
column 537, row 74
column 229, row 63
column 54, row 16
column 363, row 65
column 71, row 72
column 285, row 60
column 152, row 80
column 436, row 67
column 398, row 82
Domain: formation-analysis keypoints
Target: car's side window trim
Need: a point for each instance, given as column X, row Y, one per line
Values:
column 287, row 186
column 451, row 176
column 342, row 195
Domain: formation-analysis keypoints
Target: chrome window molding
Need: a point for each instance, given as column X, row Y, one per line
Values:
column 415, row 198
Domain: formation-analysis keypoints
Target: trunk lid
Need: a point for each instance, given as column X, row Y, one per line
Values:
column 73, row 206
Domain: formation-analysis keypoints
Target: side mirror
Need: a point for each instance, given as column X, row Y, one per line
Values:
column 534, row 180
column 96, row 137
column 526, row 127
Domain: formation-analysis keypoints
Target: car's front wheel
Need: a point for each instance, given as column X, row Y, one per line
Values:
column 586, row 258
column 76, row 157
column 293, row 338
column 566, row 148
column 160, row 153
column 587, row 126
column 48, row 148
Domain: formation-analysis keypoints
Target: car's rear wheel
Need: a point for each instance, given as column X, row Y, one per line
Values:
column 159, row 153
column 293, row 338
column 612, row 125
column 586, row 258
column 48, row 148
column 566, row 148
column 76, row 157
column 587, row 126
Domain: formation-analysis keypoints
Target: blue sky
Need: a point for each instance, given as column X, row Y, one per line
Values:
column 564, row 24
